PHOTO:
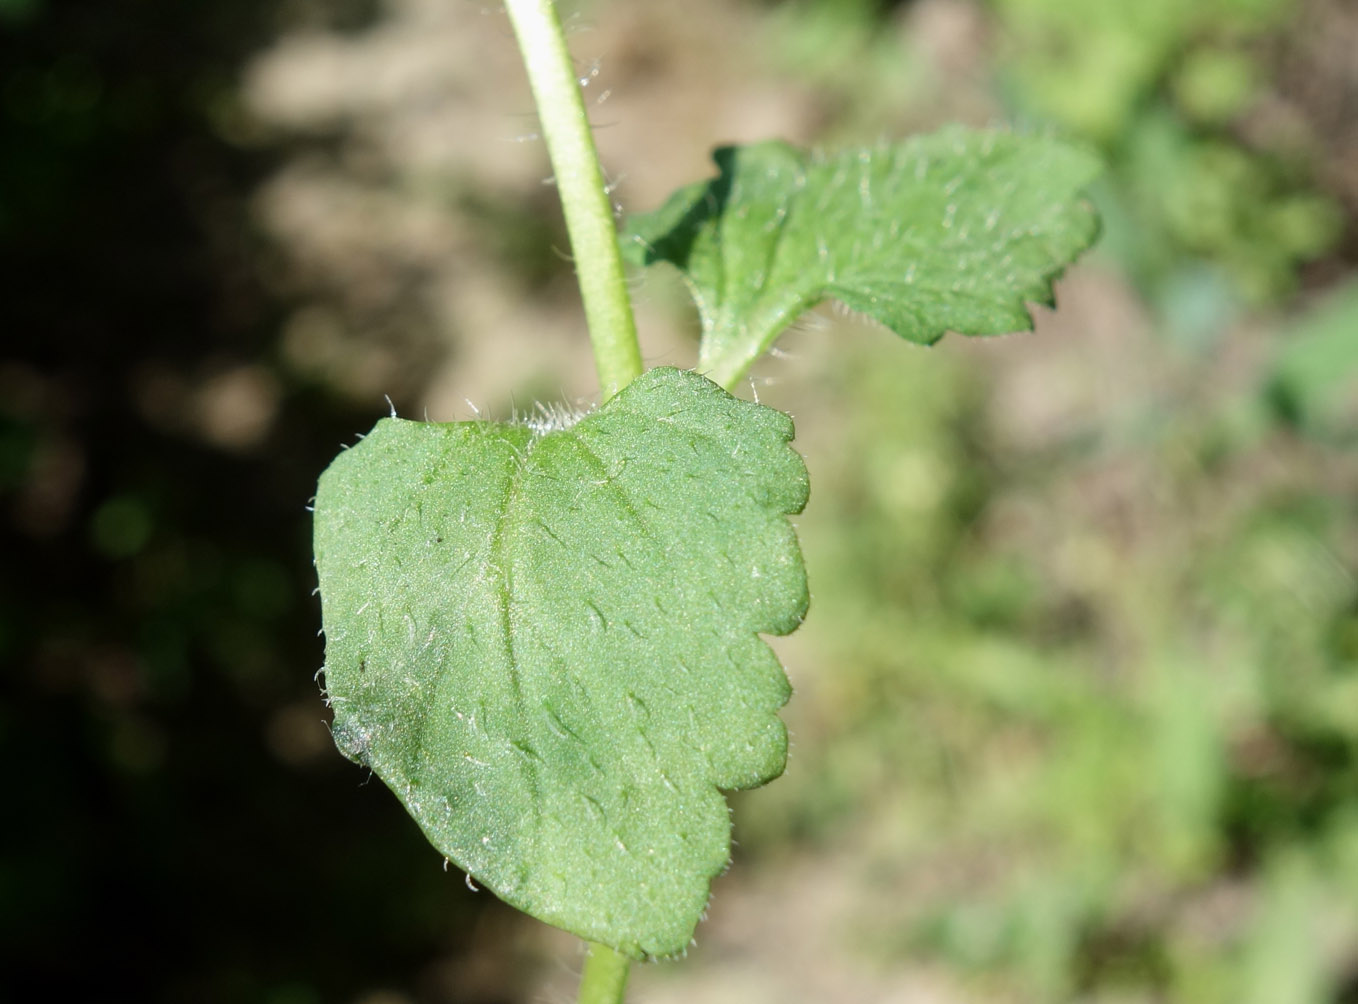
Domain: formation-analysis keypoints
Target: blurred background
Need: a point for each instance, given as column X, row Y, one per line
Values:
column 1077, row 709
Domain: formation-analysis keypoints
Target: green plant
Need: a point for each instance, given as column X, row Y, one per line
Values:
column 544, row 635
column 1200, row 215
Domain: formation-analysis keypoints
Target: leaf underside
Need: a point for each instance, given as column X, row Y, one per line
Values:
column 953, row 231
column 547, row 644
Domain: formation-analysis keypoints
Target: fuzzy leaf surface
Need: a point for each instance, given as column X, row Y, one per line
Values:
column 546, row 643
column 954, row 231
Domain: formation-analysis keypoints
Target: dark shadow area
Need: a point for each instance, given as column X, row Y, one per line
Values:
column 179, row 826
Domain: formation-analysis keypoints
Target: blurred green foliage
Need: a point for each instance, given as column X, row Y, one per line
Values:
column 1090, row 706
column 1315, row 378
column 1166, row 89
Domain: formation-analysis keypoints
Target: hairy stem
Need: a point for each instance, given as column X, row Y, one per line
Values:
column 589, row 215
column 598, row 269
column 605, row 976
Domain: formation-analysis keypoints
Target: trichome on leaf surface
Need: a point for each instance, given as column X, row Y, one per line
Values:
column 546, row 641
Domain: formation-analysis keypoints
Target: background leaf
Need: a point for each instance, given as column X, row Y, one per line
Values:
column 546, row 642
column 1315, row 376
column 955, row 231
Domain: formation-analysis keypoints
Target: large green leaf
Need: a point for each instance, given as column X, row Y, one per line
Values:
column 955, row 231
column 547, row 642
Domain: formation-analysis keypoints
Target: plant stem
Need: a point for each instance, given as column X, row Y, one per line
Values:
column 598, row 269
column 605, row 976
column 589, row 215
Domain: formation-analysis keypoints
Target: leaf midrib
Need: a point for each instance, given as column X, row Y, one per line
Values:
column 503, row 560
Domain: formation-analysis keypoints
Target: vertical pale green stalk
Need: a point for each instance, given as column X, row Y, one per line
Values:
column 605, row 976
column 589, row 216
column 598, row 269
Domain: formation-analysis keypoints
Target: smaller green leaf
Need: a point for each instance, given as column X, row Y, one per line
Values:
column 955, row 231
